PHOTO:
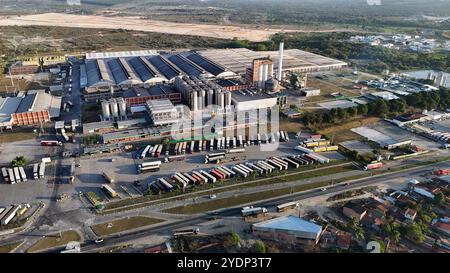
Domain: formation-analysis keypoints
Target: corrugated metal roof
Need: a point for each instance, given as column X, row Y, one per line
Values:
column 290, row 223
column 8, row 106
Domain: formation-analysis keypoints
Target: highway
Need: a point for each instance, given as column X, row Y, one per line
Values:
column 168, row 228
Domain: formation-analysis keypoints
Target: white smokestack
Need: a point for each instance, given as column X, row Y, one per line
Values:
column 280, row 61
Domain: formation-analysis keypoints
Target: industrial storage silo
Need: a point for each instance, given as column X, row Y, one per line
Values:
column 114, row 108
column 210, row 96
column 122, row 107
column 105, row 110
column 203, row 98
column 228, row 99
column 194, row 101
column 221, row 102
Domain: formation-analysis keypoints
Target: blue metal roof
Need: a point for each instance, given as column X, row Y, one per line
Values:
column 291, row 223
column 163, row 67
column 140, row 68
column 93, row 75
column 26, row 103
column 117, row 70
column 205, row 63
column 184, row 65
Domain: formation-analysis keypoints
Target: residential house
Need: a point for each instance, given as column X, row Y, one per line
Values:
column 354, row 210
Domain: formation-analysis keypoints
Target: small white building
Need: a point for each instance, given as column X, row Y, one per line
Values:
column 162, row 112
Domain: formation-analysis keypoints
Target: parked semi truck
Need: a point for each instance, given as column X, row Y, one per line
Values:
column 250, row 211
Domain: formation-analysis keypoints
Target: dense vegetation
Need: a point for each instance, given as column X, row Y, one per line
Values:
column 381, row 108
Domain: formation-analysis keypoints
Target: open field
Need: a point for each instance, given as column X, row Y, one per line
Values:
column 12, row 137
column 244, row 199
column 342, row 132
column 53, row 240
column 136, row 23
column 9, row 247
column 123, row 225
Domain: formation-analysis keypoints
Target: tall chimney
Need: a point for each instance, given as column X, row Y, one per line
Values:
column 280, row 62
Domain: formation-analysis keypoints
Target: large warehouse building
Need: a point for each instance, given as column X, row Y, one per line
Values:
column 294, row 60
column 288, row 228
column 34, row 108
column 122, row 70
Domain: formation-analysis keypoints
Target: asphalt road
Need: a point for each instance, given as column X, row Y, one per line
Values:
column 168, row 228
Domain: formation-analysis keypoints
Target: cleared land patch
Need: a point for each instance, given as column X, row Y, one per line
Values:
column 54, row 240
column 123, row 225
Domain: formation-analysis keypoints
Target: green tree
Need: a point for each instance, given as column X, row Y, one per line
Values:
column 260, row 246
column 234, row 238
column 439, row 199
column 414, row 232
column 19, row 161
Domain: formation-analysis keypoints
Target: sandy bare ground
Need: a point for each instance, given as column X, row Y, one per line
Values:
column 138, row 24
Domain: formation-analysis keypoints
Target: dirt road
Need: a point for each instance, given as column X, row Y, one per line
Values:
column 139, row 24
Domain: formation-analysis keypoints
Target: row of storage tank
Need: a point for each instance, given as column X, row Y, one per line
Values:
column 243, row 170
column 114, row 108
column 200, row 94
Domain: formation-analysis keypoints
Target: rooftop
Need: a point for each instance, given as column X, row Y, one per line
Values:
column 8, row 106
column 238, row 59
column 249, row 95
column 147, row 92
column 290, row 223
column 160, row 106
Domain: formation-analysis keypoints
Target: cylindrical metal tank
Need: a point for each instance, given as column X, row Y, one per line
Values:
column 105, row 110
column 122, row 107
column 194, row 101
column 210, row 97
column 228, row 98
column 203, row 98
column 270, row 71
column 114, row 108
column 221, row 103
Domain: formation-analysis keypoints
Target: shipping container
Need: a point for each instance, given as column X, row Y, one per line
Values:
column 228, row 170
column 175, row 158
column 192, row 180
column 112, row 193
column 287, row 206
column 108, row 176
column 23, row 175
column 5, row 175
column 166, row 185
column 235, row 151
column 239, row 171
column 200, row 178
column 12, row 179
column 293, row 163
column 17, row 174
column 10, row 215
column 210, row 178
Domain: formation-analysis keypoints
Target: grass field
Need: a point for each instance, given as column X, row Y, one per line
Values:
column 342, row 132
column 242, row 199
column 9, row 247
column 123, row 225
column 12, row 137
column 54, row 240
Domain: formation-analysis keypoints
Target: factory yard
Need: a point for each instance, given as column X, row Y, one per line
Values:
column 139, row 24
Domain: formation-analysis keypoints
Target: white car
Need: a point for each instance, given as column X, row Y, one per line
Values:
column 212, row 196
column 323, row 189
